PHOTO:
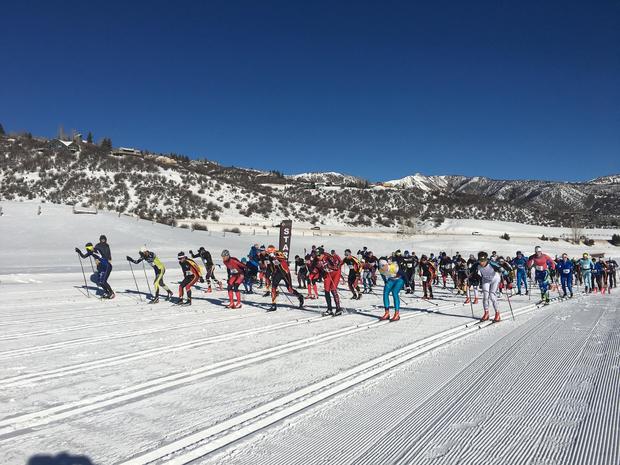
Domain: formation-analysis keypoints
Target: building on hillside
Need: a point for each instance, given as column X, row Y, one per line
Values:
column 121, row 151
column 70, row 144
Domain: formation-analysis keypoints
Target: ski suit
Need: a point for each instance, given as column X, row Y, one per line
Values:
column 158, row 268
column 586, row 266
column 428, row 274
column 235, row 270
column 191, row 275
column 521, row 266
column 394, row 280
column 104, row 268
column 612, row 266
column 491, row 275
column 207, row 261
column 354, row 274
column 565, row 269
column 542, row 264
column 329, row 267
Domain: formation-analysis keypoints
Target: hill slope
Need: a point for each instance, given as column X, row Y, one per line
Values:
column 167, row 188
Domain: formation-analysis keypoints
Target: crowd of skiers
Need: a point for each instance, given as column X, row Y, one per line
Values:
column 489, row 275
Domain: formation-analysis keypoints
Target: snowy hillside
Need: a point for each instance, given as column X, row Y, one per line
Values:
column 173, row 188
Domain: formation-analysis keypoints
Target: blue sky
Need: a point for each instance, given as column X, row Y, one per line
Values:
column 524, row 89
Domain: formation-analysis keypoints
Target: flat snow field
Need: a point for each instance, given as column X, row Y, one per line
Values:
column 125, row 382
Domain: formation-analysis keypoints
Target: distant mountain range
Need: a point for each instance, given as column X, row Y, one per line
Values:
column 170, row 188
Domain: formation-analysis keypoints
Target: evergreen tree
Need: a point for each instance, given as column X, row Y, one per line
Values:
column 89, row 138
column 2, row 133
column 106, row 143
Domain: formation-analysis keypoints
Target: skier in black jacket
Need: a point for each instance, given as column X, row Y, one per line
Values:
column 207, row 260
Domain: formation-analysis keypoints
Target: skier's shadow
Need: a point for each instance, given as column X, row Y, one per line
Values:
column 93, row 290
column 133, row 292
column 63, row 458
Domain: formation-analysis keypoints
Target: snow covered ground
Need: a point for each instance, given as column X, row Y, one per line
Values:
column 125, row 382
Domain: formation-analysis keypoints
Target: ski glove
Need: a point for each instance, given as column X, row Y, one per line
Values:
column 77, row 250
column 129, row 259
column 202, row 280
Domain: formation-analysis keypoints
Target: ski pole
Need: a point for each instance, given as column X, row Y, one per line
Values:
column 134, row 280
column 286, row 295
column 147, row 279
column 470, row 302
column 510, row 306
column 84, row 275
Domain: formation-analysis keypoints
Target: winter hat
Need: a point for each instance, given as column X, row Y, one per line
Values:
column 181, row 255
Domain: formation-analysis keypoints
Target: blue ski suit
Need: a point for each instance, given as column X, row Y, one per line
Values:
column 521, row 265
column 565, row 269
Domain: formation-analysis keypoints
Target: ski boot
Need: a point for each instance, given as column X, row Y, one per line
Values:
column 485, row 316
column 266, row 294
column 169, row 297
column 238, row 305
column 301, row 301
column 273, row 308
column 338, row 312
column 209, row 290
column 328, row 312
column 396, row 316
column 154, row 300
column 386, row 316
column 571, row 295
column 496, row 318
column 467, row 300
column 475, row 300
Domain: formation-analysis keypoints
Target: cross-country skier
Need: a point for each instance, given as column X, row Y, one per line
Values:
column 329, row 267
column 520, row 263
column 491, row 274
column 355, row 268
column 427, row 272
column 251, row 271
column 280, row 272
column 565, row 268
column 612, row 266
column 104, row 267
column 409, row 263
column 541, row 263
column 446, row 267
column 586, row 266
column 191, row 275
column 313, row 275
column 235, row 270
column 599, row 272
column 301, row 270
column 158, row 268
column 394, row 281
column 207, row 260
column 473, row 279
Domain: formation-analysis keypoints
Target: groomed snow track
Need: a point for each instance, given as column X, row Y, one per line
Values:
column 193, row 447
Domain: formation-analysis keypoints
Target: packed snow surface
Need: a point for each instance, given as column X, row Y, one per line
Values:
column 122, row 381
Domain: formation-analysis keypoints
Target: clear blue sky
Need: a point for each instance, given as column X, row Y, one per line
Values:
column 506, row 89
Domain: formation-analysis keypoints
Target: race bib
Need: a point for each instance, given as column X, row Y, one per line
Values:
column 540, row 268
column 521, row 267
column 566, row 271
column 424, row 278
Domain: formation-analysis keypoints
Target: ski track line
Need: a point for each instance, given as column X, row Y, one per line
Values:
column 595, row 435
column 44, row 376
column 235, row 428
column 64, row 329
column 8, row 354
column 428, row 421
column 513, row 394
column 161, row 310
column 443, row 402
column 13, row 425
